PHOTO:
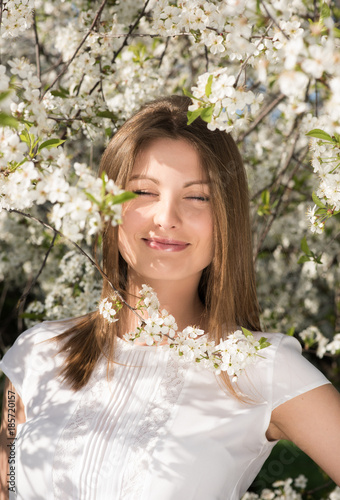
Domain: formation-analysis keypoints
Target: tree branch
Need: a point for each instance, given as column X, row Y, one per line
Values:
column 101, row 272
column 94, row 22
column 1, row 7
column 22, row 300
column 164, row 52
column 272, row 18
column 261, row 116
column 280, row 200
column 37, row 47
column 132, row 27
column 244, row 64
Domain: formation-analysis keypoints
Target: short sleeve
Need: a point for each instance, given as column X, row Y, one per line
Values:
column 292, row 374
column 31, row 351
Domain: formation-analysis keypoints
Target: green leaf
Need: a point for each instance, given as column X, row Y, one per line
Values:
column 304, row 246
column 264, row 342
column 188, row 94
column 317, row 259
column 208, row 86
column 51, row 143
column 25, row 137
column 106, row 114
column 8, row 120
column 304, row 258
column 317, row 201
column 61, row 92
column 265, row 195
column 325, row 11
column 246, row 333
column 291, row 331
column 192, row 115
column 320, row 134
column 337, row 138
column 258, row 10
column 91, row 198
column 126, row 196
column 207, row 113
column 336, row 32
column 5, row 94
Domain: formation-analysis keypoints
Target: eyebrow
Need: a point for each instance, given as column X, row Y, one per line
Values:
column 187, row 184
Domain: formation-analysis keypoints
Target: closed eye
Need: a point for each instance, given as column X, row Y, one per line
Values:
column 143, row 192
column 199, row 198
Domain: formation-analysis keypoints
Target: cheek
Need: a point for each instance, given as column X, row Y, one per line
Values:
column 204, row 229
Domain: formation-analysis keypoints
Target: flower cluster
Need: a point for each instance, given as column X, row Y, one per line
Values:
column 312, row 337
column 16, row 17
column 326, row 163
column 231, row 355
column 107, row 310
column 218, row 102
column 289, row 489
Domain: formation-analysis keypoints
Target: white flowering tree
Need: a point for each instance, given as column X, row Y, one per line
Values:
column 267, row 71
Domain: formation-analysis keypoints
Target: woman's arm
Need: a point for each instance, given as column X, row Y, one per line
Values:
column 312, row 422
column 13, row 414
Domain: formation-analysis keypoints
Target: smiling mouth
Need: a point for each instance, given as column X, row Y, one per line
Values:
column 166, row 245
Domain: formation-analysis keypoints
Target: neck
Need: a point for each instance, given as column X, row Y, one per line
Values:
column 179, row 298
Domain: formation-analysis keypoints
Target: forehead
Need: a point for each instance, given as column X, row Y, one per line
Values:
column 169, row 156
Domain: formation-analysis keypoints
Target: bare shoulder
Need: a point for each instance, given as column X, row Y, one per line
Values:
column 312, row 421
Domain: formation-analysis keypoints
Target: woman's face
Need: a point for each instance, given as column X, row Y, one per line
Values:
column 167, row 231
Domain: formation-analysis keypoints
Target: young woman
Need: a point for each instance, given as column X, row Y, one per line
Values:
column 101, row 418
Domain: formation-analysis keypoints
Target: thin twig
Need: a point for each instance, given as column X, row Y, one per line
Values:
column 23, row 297
column 280, row 200
column 274, row 21
column 274, row 181
column 94, row 22
column 172, row 35
column 101, row 272
column 3, row 296
column 261, row 116
column 37, row 47
column 79, row 84
column 206, row 55
column 316, row 99
column 245, row 62
column 54, row 66
column 163, row 53
column 132, row 28
column 321, row 487
column 1, row 5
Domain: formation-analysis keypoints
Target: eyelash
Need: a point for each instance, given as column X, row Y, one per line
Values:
column 199, row 198
column 141, row 192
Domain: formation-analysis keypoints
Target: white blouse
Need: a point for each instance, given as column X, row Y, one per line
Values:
column 158, row 429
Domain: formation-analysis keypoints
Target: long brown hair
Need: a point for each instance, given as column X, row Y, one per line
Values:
column 227, row 287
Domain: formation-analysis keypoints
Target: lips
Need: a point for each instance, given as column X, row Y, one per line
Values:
column 166, row 245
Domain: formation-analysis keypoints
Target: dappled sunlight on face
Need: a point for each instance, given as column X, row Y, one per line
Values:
column 167, row 231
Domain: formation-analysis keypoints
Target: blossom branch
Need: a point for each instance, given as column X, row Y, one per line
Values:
column 1, row 7
column 280, row 199
column 164, row 52
column 132, row 28
column 272, row 18
column 261, row 116
column 37, row 46
column 231, row 355
column 95, row 20
column 101, row 272
column 245, row 62
column 22, row 300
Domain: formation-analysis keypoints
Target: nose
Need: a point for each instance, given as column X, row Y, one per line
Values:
column 167, row 214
